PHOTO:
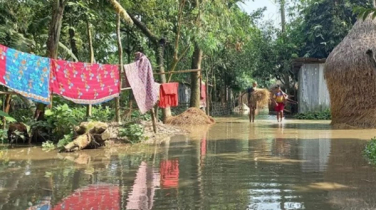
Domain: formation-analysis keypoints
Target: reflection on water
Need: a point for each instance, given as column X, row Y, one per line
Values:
column 233, row 165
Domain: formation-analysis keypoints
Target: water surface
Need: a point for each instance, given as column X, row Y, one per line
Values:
column 232, row 165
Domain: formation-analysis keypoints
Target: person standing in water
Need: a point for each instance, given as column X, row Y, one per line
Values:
column 252, row 104
column 280, row 98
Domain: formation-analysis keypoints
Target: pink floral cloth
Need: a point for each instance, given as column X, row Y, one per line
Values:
column 84, row 83
column 140, row 77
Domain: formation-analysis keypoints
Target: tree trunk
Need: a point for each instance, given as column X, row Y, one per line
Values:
column 52, row 42
column 72, row 40
column 120, row 49
column 283, row 15
column 374, row 3
column 166, row 113
column 195, row 77
column 91, row 49
column 55, row 28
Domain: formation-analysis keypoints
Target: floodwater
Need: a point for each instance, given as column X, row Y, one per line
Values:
column 232, row 165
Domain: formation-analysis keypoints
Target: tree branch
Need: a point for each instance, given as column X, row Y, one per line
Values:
column 121, row 11
column 145, row 30
column 185, row 51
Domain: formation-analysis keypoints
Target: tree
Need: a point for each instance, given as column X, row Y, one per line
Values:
column 324, row 24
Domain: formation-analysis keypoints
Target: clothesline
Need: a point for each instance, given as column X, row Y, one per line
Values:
column 177, row 72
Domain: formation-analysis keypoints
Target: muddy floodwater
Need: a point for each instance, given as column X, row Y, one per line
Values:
column 232, row 165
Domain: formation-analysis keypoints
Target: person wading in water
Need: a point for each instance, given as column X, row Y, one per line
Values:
column 279, row 97
column 252, row 103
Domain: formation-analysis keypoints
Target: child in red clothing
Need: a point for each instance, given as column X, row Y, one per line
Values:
column 280, row 98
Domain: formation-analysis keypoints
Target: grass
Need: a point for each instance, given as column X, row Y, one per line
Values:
column 323, row 115
column 370, row 151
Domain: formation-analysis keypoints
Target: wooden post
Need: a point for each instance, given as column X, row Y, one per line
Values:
column 120, row 49
column 154, row 121
column 6, row 108
column 90, row 37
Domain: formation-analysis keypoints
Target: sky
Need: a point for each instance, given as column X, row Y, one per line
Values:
column 271, row 13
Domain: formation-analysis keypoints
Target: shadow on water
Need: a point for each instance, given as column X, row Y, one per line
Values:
column 230, row 166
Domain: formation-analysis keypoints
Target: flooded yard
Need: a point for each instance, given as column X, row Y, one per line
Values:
column 232, row 165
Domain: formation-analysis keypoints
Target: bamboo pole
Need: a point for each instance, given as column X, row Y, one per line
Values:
column 8, row 93
column 207, row 94
column 154, row 120
column 179, row 72
column 90, row 37
column 120, row 49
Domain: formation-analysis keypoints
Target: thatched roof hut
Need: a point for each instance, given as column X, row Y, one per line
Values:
column 350, row 72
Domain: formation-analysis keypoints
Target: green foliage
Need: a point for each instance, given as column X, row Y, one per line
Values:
column 61, row 119
column 134, row 132
column 364, row 12
column 3, row 136
column 370, row 151
column 100, row 113
column 136, row 115
column 324, row 115
column 48, row 145
column 23, row 115
column 323, row 24
column 7, row 117
column 65, row 140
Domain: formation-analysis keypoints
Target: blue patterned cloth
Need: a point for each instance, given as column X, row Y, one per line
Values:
column 28, row 75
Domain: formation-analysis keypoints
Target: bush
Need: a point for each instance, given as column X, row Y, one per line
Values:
column 3, row 136
column 136, row 115
column 370, row 151
column 135, row 132
column 324, row 115
column 65, row 140
column 61, row 119
column 48, row 145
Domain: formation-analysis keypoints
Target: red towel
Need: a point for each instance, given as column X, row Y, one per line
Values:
column 169, row 170
column 203, row 95
column 168, row 95
column 203, row 91
column 84, row 83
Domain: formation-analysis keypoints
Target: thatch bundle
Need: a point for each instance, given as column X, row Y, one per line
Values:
column 262, row 96
column 350, row 74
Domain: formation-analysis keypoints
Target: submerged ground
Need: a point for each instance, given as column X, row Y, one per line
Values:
column 232, row 165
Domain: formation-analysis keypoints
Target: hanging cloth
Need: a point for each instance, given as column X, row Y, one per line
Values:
column 26, row 74
column 140, row 77
column 168, row 95
column 3, row 56
column 203, row 95
column 85, row 83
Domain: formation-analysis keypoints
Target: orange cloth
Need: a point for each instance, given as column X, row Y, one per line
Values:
column 168, row 95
